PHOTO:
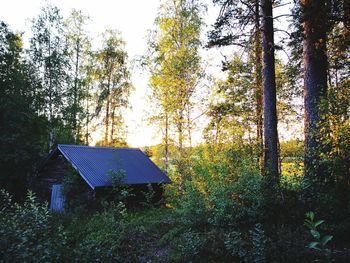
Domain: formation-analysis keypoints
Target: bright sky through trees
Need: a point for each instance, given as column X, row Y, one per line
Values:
column 133, row 18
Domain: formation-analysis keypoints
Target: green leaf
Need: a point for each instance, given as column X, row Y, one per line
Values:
column 314, row 245
column 315, row 234
column 319, row 222
column 326, row 239
column 310, row 215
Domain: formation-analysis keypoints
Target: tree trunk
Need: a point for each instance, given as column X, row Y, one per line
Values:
column 106, row 122
column 258, row 86
column 180, row 130
column 270, row 112
column 75, row 92
column 87, row 118
column 108, row 105
column 51, row 126
column 166, row 143
column 315, row 77
column 189, row 126
column 111, row 137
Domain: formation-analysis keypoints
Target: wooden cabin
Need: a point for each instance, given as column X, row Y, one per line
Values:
column 95, row 166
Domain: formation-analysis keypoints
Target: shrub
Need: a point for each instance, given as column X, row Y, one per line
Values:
column 27, row 233
column 77, row 192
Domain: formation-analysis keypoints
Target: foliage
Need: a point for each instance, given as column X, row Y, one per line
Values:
column 120, row 191
column 27, row 232
column 101, row 237
column 319, row 242
column 48, row 55
column 249, row 249
column 77, row 93
column 174, row 63
column 114, row 86
column 215, row 199
column 220, row 214
column 233, row 25
column 291, row 150
column 22, row 129
column 327, row 188
column 149, row 196
column 292, row 175
column 233, row 104
column 76, row 191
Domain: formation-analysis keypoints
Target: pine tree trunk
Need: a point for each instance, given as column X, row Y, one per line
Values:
column 315, row 77
column 270, row 112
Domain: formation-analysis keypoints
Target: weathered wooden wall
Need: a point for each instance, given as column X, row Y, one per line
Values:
column 51, row 173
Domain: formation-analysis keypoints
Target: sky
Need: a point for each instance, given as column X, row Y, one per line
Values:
column 133, row 18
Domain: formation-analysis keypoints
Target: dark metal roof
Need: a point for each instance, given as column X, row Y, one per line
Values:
column 95, row 164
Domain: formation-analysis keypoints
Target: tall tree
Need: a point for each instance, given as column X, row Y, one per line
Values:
column 113, row 79
column 314, row 17
column 175, row 66
column 48, row 53
column 270, row 112
column 21, row 127
column 78, row 50
column 88, row 86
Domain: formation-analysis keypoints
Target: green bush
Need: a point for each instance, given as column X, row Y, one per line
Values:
column 77, row 192
column 219, row 211
column 100, row 238
column 27, row 233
